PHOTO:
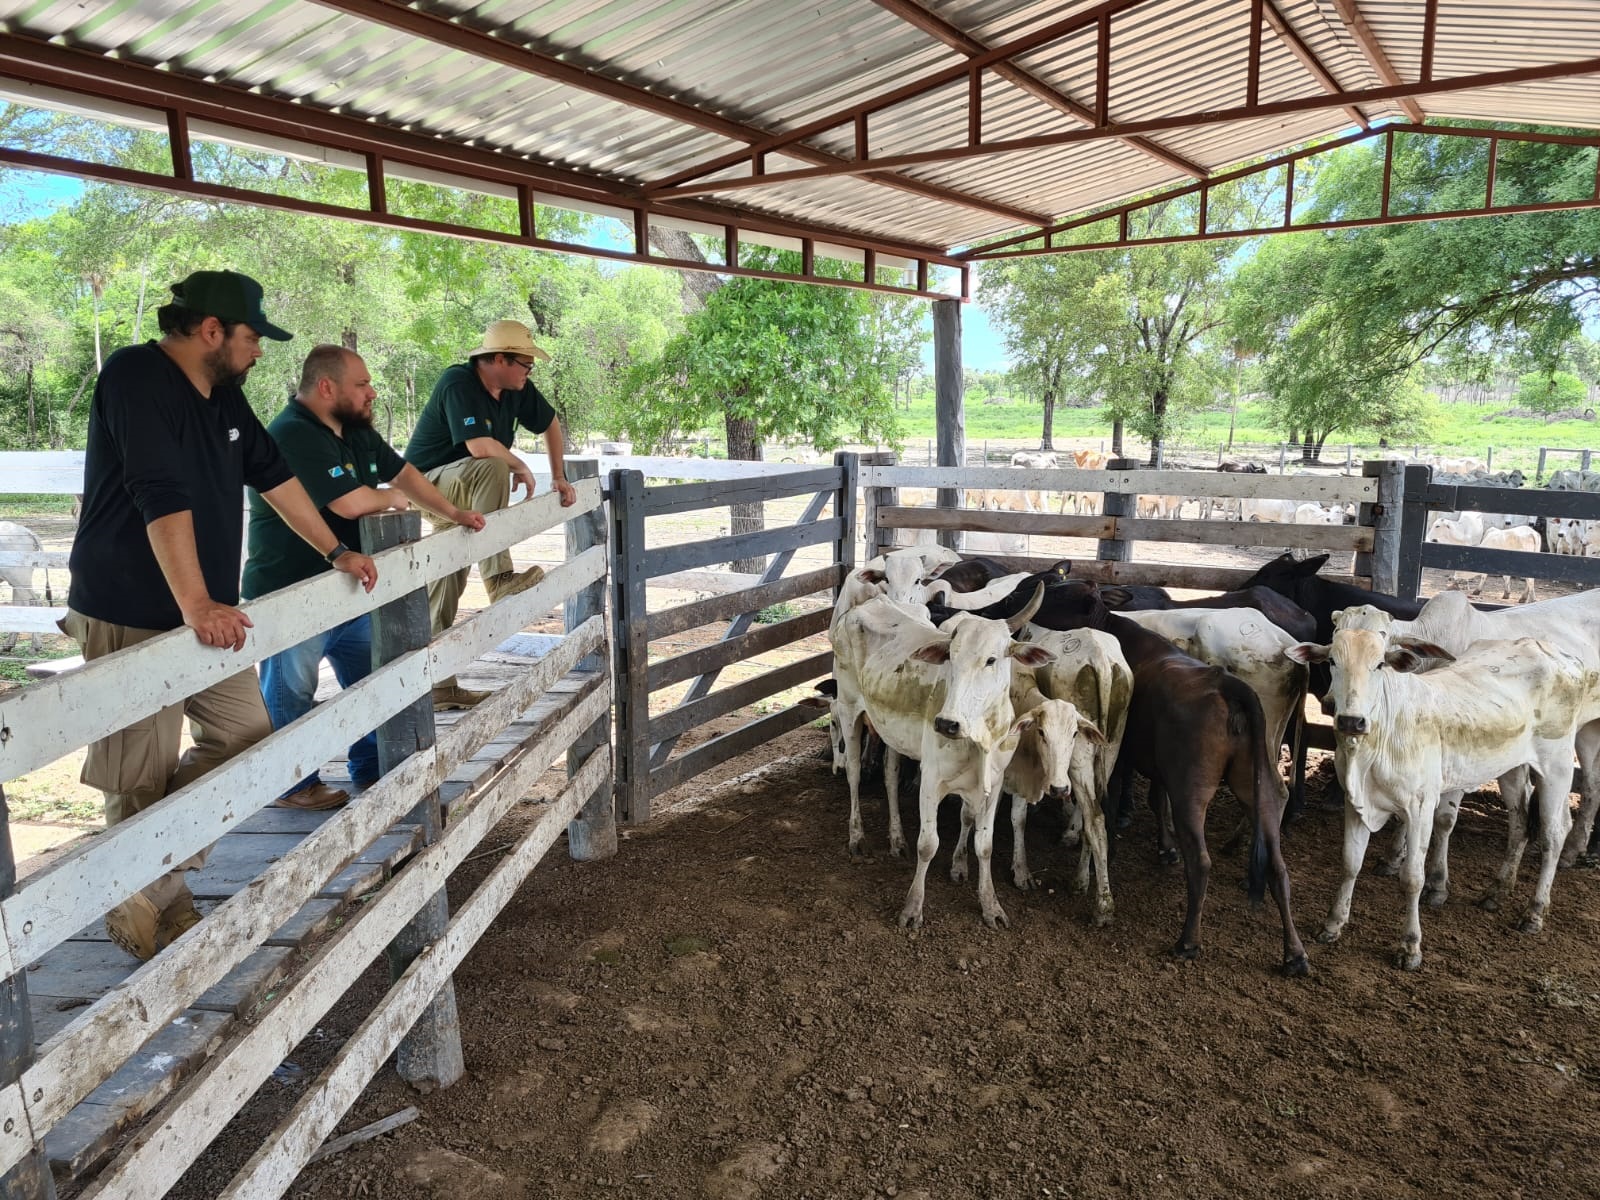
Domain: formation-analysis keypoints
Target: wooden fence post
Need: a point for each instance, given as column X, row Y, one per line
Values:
column 878, row 541
column 1117, row 504
column 1413, row 529
column 593, row 833
column 430, row 1055
column 630, row 644
column 29, row 1179
column 1538, row 475
column 950, row 416
column 844, row 504
column 1583, row 460
column 1383, row 516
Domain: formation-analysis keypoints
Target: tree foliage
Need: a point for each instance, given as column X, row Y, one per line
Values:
column 1549, row 392
column 794, row 360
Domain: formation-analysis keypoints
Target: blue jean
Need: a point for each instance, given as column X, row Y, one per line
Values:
column 289, row 686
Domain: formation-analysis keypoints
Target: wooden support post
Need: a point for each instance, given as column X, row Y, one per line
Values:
column 30, row 1178
column 1538, row 475
column 1583, row 460
column 430, row 1055
column 1282, row 454
column 1118, row 504
column 1413, row 529
column 949, row 413
column 878, row 541
column 630, row 645
column 1383, row 516
column 593, row 833
column 844, row 503
column 1488, row 460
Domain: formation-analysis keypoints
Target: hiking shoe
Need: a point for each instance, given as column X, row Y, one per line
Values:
column 453, row 696
column 510, row 583
column 134, row 925
column 314, row 797
column 176, row 920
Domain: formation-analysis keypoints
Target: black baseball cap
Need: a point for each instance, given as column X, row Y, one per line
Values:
column 228, row 296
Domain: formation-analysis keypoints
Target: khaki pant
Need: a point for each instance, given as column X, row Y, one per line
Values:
column 138, row 766
column 483, row 485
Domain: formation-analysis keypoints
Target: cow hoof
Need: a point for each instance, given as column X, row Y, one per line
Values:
column 997, row 919
column 958, row 874
column 1124, row 820
column 1329, row 934
column 898, row 849
column 1407, row 959
column 1489, row 902
column 1185, row 953
column 910, row 921
column 1025, row 883
column 858, row 851
column 1297, row 967
column 1102, row 917
column 1436, row 897
column 1167, row 858
column 1386, row 868
column 1531, row 923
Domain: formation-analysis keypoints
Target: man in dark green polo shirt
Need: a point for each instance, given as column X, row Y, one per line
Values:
column 325, row 434
column 462, row 443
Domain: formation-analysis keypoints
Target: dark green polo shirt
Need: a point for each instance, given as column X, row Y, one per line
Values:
column 329, row 466
column 460, row 408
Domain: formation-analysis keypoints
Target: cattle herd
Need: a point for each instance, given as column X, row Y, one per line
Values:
column 995, row 681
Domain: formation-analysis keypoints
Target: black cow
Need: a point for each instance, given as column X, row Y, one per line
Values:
column 1271, row 604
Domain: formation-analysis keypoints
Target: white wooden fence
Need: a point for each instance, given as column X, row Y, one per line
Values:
column 42, row 722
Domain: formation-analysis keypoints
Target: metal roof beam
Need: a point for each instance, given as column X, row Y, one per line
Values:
column 957, row 39
column 119, row 80
column 1276, row 108
column 1308, row 59
column 1350, row 14
column 511, row 52
column 1043, row 36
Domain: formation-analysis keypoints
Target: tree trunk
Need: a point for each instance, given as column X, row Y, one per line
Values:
column 1316, row 453
column 1049, row 420
column 746, row 518
column 138, row 312
column 1158, row 436
column 1294, row 437
column 33, row 422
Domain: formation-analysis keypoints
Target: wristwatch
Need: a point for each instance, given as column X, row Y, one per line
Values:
column 341, row 548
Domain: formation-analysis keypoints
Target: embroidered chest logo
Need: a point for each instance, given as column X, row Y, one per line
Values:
column 233, row 435
column 335, row 472
column 470, row 421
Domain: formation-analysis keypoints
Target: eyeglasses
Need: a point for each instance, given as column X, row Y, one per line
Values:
column 525, row 363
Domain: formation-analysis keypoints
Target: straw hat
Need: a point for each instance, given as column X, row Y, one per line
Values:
column 508, row 337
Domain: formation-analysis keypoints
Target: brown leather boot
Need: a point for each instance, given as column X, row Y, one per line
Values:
column 510, row 583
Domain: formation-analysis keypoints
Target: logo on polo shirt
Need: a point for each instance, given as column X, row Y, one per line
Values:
column 335, row 472
column 233, row 435
column 351, row 467
column 470, row 421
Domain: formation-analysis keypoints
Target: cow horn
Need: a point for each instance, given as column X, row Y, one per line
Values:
column 1022, row 618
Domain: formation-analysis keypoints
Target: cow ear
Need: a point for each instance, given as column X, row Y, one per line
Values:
column 870, row 575
column 814, row 702
column 1338, row 613
column 1410, row 654
column 1088, row 729
column 934, row 652
column 828, row 687
column 1307, row 567
column 1308, row 652
column 1025, row 722
column 1030, row 655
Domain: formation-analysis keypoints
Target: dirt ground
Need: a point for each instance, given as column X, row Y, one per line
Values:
column 727, row 1010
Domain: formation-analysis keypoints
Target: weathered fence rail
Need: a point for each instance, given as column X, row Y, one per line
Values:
column 42, row 722
column 645, row 766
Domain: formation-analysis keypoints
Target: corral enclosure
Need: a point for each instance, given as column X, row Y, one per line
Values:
column 726, row 1008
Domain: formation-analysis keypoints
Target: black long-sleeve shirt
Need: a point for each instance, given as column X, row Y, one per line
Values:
column 158, row 447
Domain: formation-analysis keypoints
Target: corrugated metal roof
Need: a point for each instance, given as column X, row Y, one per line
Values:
column 776, row 65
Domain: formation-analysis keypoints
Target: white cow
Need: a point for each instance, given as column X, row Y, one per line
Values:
column 1269, row 511
column 939, row 591
column 1405, row 739
column 942, row 698
column 1091, row 671
column 1524, row 538
column 1571, row 622
column 1038, row 460
column 1316, row 514
column 1240, row 640
column 16, row 538
column 1167, row 508
column 898, row 575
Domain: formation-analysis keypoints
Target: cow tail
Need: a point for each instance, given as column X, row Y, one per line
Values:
column 1245, row 718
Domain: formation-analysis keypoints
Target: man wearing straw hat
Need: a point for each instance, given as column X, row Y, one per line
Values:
column 172, row 443
column 462, row 444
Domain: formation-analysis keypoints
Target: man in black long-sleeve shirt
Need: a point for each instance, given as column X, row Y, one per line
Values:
column 172, row 442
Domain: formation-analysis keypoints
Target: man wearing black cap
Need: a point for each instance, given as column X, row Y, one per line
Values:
column 172, row 442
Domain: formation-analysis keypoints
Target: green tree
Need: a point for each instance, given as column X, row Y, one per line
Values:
column 1549, row 392
column 1130, row 325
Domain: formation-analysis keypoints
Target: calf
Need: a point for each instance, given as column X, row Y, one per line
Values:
column 1522, row 538
column 1405, row 739
column 1279, row 511
column 1191, row 727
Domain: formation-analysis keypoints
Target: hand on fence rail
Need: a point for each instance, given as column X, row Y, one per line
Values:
column 361, row 566
column 217, row 624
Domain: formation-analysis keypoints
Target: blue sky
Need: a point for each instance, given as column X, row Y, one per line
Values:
column 31, row 193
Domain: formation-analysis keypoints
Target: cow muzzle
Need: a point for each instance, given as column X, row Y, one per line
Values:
column 1350, row 725
column 945, row 727
column 1064, row 792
